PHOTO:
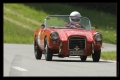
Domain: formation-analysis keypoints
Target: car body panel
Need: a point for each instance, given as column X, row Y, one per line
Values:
column 64, row 35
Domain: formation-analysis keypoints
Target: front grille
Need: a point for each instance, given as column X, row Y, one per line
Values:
column 76, row 41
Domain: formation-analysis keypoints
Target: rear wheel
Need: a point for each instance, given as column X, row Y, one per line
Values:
column 37, row 51
column 48, row 53
column 83, row 58
column 96, row 55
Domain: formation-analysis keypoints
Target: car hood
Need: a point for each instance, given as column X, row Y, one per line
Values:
column 65, row 33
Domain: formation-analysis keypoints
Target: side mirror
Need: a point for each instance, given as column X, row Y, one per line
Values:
column 95, row 27
column 48, row 18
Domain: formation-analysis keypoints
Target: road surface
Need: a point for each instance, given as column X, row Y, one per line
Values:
column 19, row 60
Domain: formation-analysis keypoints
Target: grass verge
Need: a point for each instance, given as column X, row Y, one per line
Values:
column 16, row 34
column 111, row 55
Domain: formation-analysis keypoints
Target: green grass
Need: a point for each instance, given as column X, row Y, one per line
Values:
column 16, row 34
column 27, row 11
column 109, row 35
column 111, row 55
column 38, row 12
column 19, row 19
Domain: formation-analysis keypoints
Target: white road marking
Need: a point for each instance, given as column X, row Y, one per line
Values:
column 20, row 69
column 107, row 60
column 100, row 59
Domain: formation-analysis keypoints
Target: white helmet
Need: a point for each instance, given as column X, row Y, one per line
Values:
column 76, row 19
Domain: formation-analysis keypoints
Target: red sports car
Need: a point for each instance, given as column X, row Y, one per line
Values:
column 57, row 38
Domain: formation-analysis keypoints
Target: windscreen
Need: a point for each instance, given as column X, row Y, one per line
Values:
column 61, row 21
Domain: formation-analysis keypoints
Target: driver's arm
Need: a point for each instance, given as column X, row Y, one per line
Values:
column 79, row 26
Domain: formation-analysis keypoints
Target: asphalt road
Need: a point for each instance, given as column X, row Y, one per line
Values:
column 19, row 60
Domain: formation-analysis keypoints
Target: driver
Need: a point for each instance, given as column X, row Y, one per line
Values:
column 42, row 26
column 75, row 20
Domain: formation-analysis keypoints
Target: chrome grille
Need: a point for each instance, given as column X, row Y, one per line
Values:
column 76, row 41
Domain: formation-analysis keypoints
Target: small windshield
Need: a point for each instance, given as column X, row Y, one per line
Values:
column 60, row 21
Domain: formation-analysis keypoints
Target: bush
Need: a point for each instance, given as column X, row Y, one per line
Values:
column 105, row 7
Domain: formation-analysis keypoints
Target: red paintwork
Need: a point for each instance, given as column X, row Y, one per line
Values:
column 64, row 34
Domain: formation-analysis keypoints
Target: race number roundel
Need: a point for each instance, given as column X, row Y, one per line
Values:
column 39, row 37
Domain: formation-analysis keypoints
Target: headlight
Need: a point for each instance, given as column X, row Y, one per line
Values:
column 54, row 35
column 98, row 37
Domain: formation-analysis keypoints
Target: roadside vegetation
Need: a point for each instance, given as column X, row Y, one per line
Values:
column 110, row 55
column 19, row 34
column 24, row 13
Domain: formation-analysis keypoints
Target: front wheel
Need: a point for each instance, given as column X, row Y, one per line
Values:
column 37, row 51
column 96, row 56
column 48, row 53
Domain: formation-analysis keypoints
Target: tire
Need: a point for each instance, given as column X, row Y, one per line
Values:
column 96, row 56
column 48, row 53
column 83, row 58
column 37, row 51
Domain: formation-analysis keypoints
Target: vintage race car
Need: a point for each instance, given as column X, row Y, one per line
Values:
column 58, row 39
